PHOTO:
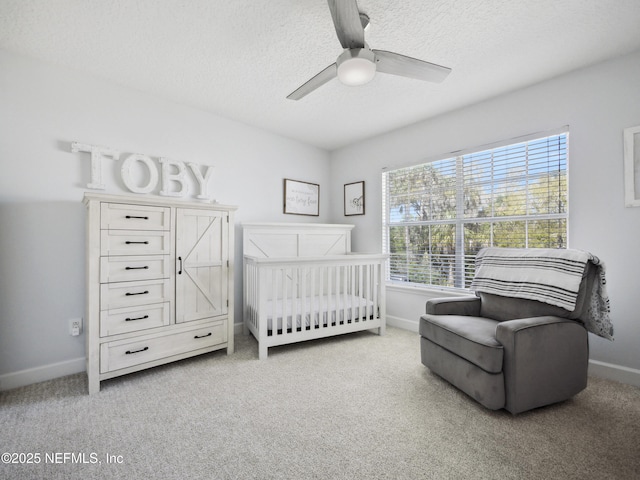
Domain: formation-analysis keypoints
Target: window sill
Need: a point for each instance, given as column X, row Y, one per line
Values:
column 431, row 292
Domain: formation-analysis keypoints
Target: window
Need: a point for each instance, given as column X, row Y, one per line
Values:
column 438, row 215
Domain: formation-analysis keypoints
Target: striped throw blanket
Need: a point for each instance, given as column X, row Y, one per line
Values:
column 551, row 276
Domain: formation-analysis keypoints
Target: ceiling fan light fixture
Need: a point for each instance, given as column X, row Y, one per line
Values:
column 356, row 66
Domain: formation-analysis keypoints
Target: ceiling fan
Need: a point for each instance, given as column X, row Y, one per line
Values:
column 358, row 63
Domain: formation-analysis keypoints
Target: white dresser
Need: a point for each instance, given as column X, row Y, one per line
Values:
column 159, row 282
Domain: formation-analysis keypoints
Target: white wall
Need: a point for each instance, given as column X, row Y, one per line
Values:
column 43, row 109
column 597, row 103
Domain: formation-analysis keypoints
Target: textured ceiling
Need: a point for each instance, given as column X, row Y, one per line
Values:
column 241, row 58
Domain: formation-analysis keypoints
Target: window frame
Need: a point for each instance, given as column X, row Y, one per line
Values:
column 459, row 220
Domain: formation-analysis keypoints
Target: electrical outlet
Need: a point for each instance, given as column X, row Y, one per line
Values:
column 75, row 326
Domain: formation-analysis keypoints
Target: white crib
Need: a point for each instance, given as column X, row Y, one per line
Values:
column 301, row 282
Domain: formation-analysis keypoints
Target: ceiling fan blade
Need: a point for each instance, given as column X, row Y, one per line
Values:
column 396, row 64
column 320, row 79
column 346, row 19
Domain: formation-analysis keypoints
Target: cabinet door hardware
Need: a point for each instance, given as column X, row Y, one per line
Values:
column 139, row 218
column 128, row 294
column 129, row 242
column 138, row 318
column 180, row 269
column 137, row 268
column 130, row 352
column 203, row 336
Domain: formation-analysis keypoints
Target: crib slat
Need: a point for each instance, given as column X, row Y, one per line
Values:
column 359, row 293
column 283, row 302
column 324, row 295
column 367, row 290
column 312, row 299
column 343, row 290
column 293, row 287
column 346, row 297
column 302, row 294
column 287, row 321
column 335, row 297
column 347, row 293
column 321, row 323
column 338, row 295
column 368, row 295
column 348, row 288
column 330, row 288
column 272, row 287
column 248, row 303
column 299, row 298
column 246, row 298
column 375, row 285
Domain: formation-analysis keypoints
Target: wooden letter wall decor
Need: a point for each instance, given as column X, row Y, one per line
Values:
column 171, row 172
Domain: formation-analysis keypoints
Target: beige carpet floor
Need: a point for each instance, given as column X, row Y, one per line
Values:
column 358, row 406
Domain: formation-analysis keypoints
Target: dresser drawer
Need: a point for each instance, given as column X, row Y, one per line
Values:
column 134, row 242
column 130, row 268
column 130, row 294
column 131, row 352
column 117, row 216
column 133, row 319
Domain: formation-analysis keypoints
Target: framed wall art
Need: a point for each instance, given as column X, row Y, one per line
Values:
column 301, row 198
column 354, row 198
column 632, row 167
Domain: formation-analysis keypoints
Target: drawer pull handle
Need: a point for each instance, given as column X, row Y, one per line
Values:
column 139, row 218
column 128, row 294
column 131, row 352
column 133, row 319
column 128, row 242
column 137, row 268
column 203, row 336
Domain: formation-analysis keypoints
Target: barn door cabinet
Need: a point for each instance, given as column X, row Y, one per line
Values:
column 159, row 282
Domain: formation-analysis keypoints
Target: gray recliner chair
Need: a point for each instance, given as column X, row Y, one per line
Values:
column 507, row 352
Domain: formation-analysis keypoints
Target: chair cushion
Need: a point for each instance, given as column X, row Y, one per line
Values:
column 502, row 308
column 486, row 388
column 472, row 338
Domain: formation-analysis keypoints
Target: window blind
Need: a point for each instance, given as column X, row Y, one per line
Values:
column 438, row 215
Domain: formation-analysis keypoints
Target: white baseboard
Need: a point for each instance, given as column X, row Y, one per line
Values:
column 411, row 325
column 610, row 371
column 237, row 328
column 627, row 375
column 9, row 381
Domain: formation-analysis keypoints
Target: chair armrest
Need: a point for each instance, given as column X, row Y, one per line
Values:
column 545, row 360
column 508, row 328
column 467, row 306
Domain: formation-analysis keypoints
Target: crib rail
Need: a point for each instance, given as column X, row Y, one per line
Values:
column 295, row 299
